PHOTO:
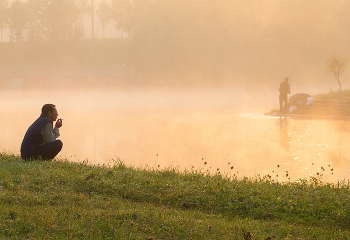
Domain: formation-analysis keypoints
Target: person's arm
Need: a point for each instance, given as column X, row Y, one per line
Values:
column 50, row 134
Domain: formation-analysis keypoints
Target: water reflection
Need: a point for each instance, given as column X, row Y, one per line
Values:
column 184, row 129
column 284, row 133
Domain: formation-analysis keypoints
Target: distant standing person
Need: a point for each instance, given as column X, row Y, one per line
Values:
column 40, row 142
column 284, row 91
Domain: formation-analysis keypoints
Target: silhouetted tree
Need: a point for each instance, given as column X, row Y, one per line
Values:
column 18, row 20
column 104, row 14
column 335, row 65
column 121, row 11
column 36, row 22
column 61, row 18
column 84, row 8
column 139, row 7
column 3, row 16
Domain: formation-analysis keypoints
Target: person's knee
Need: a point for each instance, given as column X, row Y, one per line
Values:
column 58, row 144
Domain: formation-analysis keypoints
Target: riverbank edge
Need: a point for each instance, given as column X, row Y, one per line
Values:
column 331, row 105
column 64, row 199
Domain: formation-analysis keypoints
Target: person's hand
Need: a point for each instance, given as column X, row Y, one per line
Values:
column 59, row 123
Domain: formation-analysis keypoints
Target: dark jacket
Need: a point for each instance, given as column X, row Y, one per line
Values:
column 33, row 137
column 284, row 88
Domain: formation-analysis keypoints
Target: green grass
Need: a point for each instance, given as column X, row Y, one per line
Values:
column 331, row 104
column 344, row 95
column 334, row 103
column 63, row 200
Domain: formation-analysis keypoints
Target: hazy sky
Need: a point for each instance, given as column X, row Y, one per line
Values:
column 271, row 38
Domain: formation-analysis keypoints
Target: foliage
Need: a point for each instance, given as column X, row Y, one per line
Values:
column 330, row 105
column 75, row 200
column 193, row 39
column 335, row 95
column 104, row 13
column 19, row 18
column 59, row 17
column 34, row 20
column 46, row 20
column 3, row 14
column 335, row 65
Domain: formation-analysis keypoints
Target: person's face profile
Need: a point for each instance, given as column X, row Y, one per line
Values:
column 53, row 114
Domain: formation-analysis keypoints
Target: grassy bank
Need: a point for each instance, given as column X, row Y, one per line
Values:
column 331, row 104
column 344, row 95
column 62, row 200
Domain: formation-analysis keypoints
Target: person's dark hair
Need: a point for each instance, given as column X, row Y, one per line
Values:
column 47, row 108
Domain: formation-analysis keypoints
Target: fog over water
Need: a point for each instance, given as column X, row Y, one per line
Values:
column 209, row 129
column 184, row 84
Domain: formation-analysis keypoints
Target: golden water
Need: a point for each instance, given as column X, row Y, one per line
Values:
column 211, row 130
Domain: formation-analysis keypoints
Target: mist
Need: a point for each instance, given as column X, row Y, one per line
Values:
column 234, row 41
column 202, row 41
column 184, row 84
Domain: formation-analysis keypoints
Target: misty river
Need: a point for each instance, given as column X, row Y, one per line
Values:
column 216, row 130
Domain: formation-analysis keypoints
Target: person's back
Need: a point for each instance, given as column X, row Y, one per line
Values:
column 284, row 87
column 40, row 138
column 33, row 136
column 283, row 97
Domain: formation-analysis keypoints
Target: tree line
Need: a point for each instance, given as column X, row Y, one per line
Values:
column 215, row 38
column 47, row 20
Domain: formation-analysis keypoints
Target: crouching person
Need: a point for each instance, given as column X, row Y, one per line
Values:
column 40, row 142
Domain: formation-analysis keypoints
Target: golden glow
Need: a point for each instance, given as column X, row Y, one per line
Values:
column 228, row 58
column 161, row 128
